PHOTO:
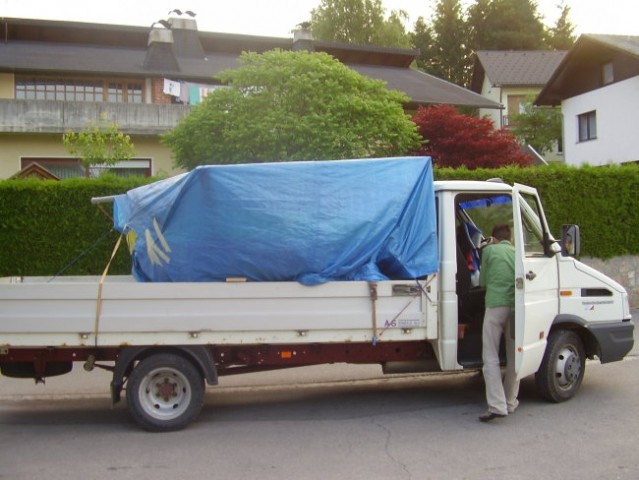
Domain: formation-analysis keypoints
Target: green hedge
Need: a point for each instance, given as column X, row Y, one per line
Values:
column 45, row 226
column 601, row 200
column 48, row 226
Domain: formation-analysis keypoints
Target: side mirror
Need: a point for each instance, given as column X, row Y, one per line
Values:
column 570, row 241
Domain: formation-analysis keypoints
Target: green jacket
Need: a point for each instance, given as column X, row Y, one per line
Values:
column 497, row 274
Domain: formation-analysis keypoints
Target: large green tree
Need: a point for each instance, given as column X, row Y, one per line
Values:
column 360, row 22
column 443, row 45
column 505, row 25
column 448, row 40
column 283, row 106
column 561, row 35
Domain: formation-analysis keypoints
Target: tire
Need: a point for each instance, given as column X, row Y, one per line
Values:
column 165, row 392
column 562, row 368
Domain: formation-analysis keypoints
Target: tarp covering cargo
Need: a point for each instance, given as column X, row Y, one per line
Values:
column 310, row 222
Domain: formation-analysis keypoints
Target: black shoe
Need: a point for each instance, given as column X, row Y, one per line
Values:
column 490, row 416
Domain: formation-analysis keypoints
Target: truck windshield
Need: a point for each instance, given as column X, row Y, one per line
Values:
column 483, row 212
column 478, row 214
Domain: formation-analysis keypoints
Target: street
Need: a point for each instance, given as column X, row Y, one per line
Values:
column 327, row 422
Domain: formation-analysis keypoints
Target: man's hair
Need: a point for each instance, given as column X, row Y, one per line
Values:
column 501, row 232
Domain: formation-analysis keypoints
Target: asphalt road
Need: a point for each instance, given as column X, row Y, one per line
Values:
column 327, row 422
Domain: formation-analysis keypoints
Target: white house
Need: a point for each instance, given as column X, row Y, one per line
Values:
column 597, row 86
column 511, row 78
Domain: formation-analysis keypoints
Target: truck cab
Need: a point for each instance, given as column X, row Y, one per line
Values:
column 565, row 311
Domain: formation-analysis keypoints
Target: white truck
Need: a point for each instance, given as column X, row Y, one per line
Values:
column 164, row 340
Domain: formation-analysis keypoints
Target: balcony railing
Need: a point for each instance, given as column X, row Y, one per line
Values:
column 47, row 116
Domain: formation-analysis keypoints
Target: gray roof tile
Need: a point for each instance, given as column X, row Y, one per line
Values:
column 509, row 68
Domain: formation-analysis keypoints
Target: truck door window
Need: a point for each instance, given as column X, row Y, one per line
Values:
column 532, row 227
column 477, row 214
column 485, row 211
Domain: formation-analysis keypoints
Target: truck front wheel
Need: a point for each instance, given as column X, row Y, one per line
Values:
column 165, row 392
column 562, row 368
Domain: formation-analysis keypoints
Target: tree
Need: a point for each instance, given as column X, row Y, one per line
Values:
column 99, row 144
column 539, row 127
column 443, row 45
column 453, row 139
column 505, row 25
column 286, row 106
column 360, row 22
column 561, row 37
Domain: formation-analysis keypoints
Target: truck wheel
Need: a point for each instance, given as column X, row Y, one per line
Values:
column 165, row 392
column 562, row 368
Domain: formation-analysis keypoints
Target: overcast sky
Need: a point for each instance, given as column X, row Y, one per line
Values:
column 278, row 17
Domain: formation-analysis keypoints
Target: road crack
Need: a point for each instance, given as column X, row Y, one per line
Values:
column 388, row 434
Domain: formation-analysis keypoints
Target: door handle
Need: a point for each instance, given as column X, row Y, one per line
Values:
column 531, row 275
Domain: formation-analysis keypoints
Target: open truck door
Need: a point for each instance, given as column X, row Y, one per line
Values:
column 536, row 280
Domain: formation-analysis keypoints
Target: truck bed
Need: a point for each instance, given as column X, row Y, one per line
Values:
column 38, row 311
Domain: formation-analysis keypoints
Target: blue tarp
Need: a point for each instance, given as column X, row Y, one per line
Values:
column 310, row 222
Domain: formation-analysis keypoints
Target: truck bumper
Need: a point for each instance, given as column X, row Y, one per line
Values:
column 615, row 339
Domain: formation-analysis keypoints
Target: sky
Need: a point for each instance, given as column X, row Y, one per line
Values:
column 277, row 18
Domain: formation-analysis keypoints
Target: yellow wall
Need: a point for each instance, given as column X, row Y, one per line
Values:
column 14, row 146
column 7, row 85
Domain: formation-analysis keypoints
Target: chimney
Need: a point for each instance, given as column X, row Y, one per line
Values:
column 186, row 40
column 159, row 52
column 303, row 38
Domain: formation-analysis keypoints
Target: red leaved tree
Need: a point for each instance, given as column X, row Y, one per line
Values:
column 455, row 140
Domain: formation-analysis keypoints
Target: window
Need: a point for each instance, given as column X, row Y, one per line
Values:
column 71, row 167
column 587, row 126
column 78, row 90
column 532, row 227
column 607, row 73
column 516, row 104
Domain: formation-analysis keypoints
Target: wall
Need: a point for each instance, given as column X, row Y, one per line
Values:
column 500, row 95
column 492, row 93
column 7, row 85
column 49, row 116
column 617, row 141
column 15, row 146
column 623, row 269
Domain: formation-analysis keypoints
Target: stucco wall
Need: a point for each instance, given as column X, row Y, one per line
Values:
column 617, row 141
column 492, row 93
column 623, row 269
column 7, row 85
column 15, row 146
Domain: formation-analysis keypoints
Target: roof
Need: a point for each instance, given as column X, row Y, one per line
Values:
column 423, row 88
column 515, row 68
column 580, row 70
column 35, row 170
column 53, row 47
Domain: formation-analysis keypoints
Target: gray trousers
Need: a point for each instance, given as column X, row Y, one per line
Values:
column 500, row 396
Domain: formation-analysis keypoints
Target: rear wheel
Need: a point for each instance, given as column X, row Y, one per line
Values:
column 165, row 392
column 562, row 368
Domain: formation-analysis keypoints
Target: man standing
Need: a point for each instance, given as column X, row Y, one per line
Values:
column 497, row 275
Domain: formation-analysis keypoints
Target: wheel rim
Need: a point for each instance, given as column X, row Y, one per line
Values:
column 568, row 367
column 165, row 393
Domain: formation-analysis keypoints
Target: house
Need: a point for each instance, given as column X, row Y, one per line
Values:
column 511, row 78
column 58, row 76
column 597, row 86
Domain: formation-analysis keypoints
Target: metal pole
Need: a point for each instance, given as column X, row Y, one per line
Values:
column 96, row 200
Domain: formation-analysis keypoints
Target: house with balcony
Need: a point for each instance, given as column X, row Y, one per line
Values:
column 597, row 87
column 59, row 76
column 511, row 78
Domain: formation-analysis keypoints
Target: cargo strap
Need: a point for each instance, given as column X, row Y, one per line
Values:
column 98, row 309
column 372, row 289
